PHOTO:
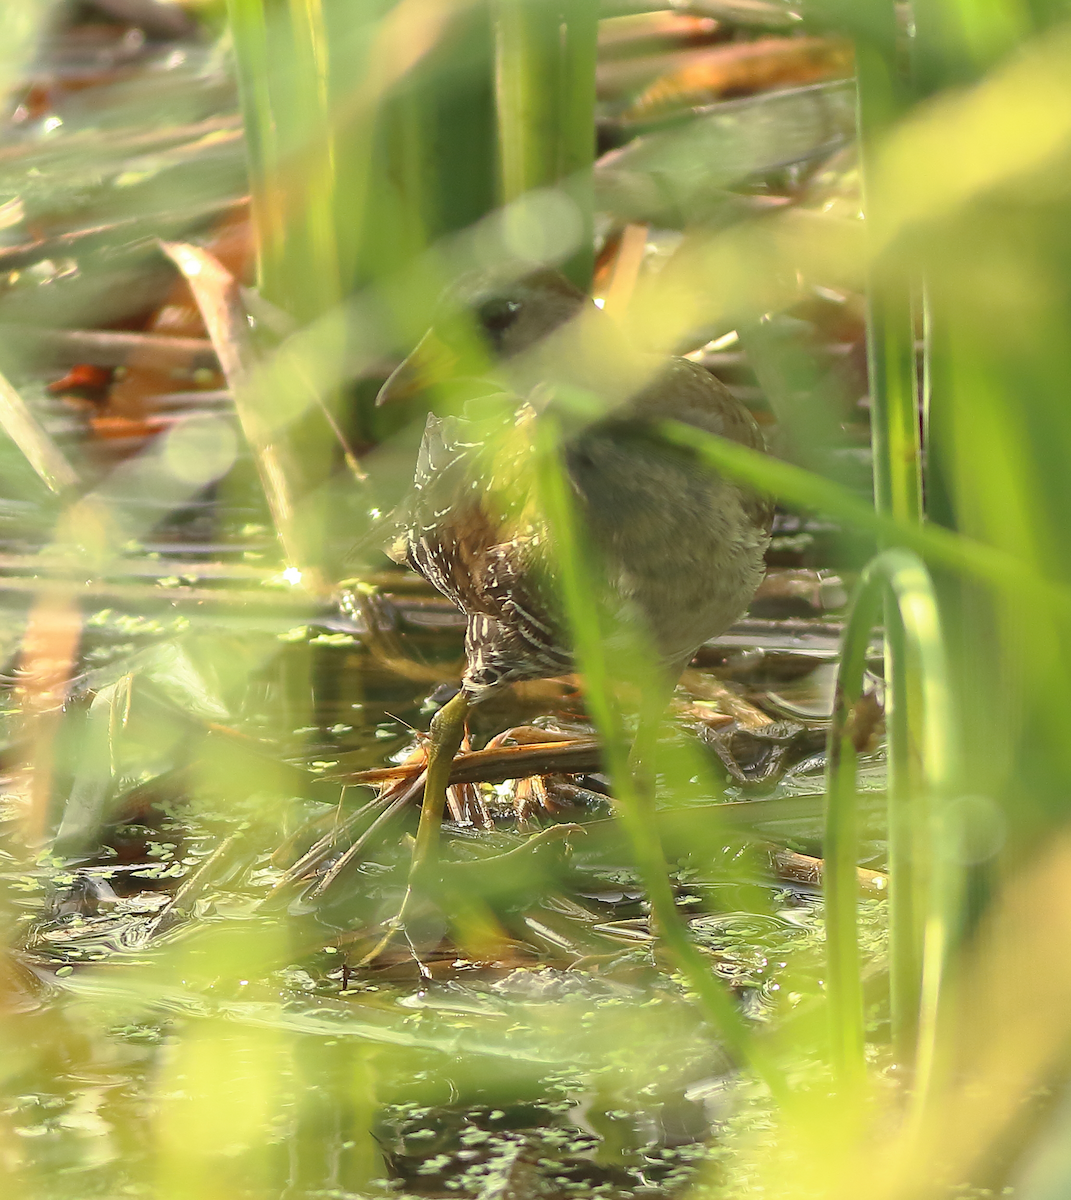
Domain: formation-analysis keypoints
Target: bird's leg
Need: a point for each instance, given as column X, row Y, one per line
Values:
column 447, row 730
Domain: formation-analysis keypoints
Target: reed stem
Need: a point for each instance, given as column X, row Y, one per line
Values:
column 576, row 169
column 883, row 97
column 896, row 444
column 844, row 986
column 545, row 56
column 920, row 934
column 313, row 279
column 284, row 83
column 528, row 83
column 249, row 33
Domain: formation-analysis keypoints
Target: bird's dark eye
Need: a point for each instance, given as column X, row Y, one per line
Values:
column 496, row 316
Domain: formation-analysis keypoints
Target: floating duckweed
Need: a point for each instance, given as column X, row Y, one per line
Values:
column 333, row 639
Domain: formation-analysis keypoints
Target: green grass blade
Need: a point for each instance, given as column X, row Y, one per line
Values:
column 590, row 637
column 937, row 546
column 923, row 880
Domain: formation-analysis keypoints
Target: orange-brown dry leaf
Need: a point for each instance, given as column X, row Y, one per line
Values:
column 47, row 662
column 703, row 711
column 701, row 686
column 627, row 265
column 745, row 67
column 113, row 428
column 179, row 316
column 530, row 797
column 636, row 50
column 650, row 33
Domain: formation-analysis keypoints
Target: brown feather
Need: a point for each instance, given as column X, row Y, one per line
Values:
column 680, row 546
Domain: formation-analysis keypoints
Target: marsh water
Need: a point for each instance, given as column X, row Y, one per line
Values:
column 167, row 981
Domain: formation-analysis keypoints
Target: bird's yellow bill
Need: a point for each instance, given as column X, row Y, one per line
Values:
column 431, row 362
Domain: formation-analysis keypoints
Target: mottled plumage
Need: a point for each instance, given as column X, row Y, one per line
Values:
column 681, row 548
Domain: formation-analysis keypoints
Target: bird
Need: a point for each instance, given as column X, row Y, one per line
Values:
column 680, row 548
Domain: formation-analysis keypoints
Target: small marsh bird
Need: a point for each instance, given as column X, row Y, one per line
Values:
column 680, row 548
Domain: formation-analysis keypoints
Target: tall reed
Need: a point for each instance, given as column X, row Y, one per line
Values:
column 545, row 87
column 923, row 897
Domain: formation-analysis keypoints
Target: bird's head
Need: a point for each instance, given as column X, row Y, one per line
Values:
column 512, row 318
column 508, row 318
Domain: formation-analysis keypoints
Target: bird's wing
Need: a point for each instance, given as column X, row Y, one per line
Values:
column 442, row 528
column 519, row 586
column 469, row 527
